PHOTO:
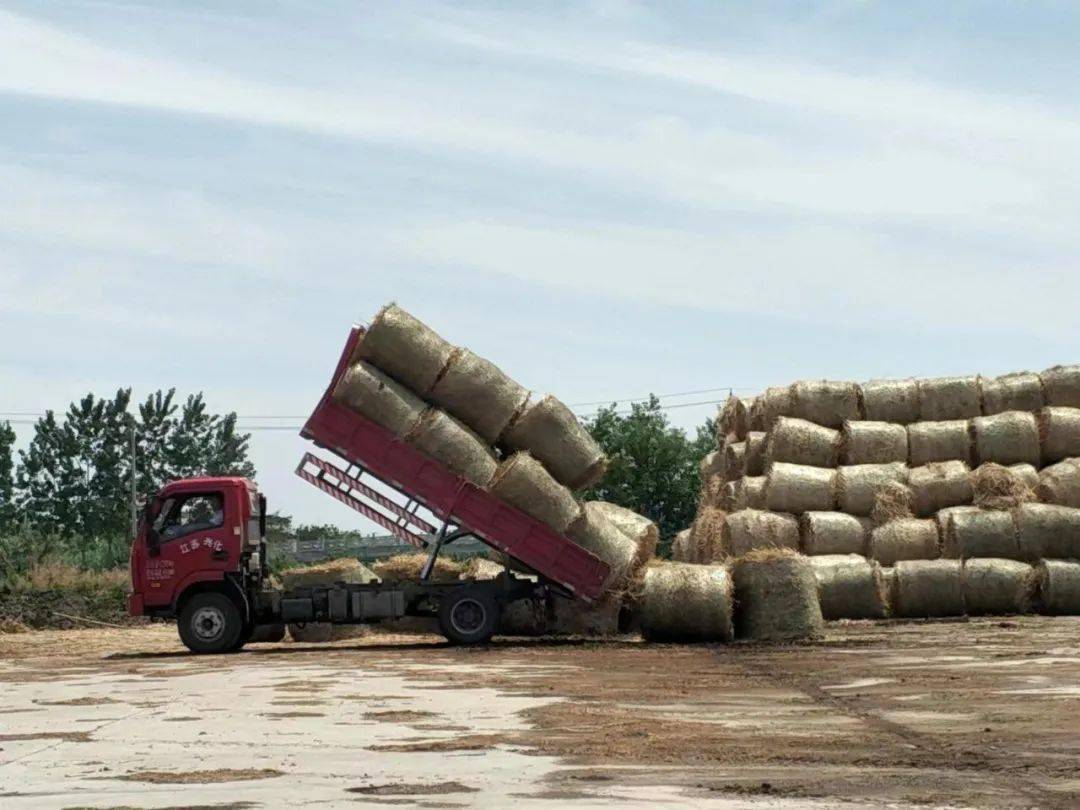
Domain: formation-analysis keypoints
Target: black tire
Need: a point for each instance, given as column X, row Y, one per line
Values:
column 468, row 616
column 211, row 623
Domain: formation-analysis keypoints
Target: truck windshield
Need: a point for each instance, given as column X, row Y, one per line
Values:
column 192, row 514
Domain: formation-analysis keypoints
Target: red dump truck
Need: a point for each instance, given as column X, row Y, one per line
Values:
column 200, row 555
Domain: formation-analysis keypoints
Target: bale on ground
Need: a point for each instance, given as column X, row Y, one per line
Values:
column 1000, row 488
column 524, row 482
column 776, row 596
column 734, row 461
column 928, row 588
column 572, row 617
column 849, row 587
column 754, row 488
column 1059, row 587
column 524, row 617
column 477, row 392
column 311, row 632
column 892, row 501
column 938, row 441
column 756, row 443
column 1059, row 433
column 980, row 533
column 595, row 533
column 1060, row 483
column 994, row 587
column 1006, row 438
column 831, row 533
column 946, row 398
column 905, row 539
column 873, row 443
column 409, row 351
column 1061, row 386
column 939, row 485
column 797, row 441
column 687, row 603
column 644, row 533
column 753, row 529
column 825, row 402
column 895, row 401
column 857, row 486
column 680, row 547
column 1021, row 391
column 1045, row 530
column 734, row 418
column 550, row 432
column 445, row 439
column 769, row 407
column 407, row 567
column 707, row 536
column 369, row 392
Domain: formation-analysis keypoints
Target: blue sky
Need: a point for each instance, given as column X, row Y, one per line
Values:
column 606, row 198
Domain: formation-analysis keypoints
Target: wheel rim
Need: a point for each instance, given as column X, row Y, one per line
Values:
column 208, row 624
column 467, row 616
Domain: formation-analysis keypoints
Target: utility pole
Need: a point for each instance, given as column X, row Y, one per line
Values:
column 134, row 489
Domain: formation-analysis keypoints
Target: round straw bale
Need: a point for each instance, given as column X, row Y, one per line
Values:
column 642, row 532
column 549, row 431
column 1059, row 587
column 831, row 533
column 1021, row 391
column 1061, row 386
column 572, row 617
column 892, row 501
column 687, row 603
column 942, row 518
column 753, row 529
column 796, row 489
column 873, row 443
column 946, row 398
column 797, row 441
column 894, row 401
column 849, row 587
column 477, row 392
column 1045, row 530
column 938, row 441
column 712, row 491
column 707, row 536
column 524, row 617
column 904, row 539
column 993, row 586
column 756, row 442
column 400, row 345
column 1060, row 483
column 825, row 402
column 445, row 439
column 857, row 486
column 369, row 392
column 312, row 632
column 981, row 533
column 754, row 488
column 594, row 532
column 734, row 496
column 928, row 588
column 407, row 567
column 776, row 596
column 734, row 418
column 998, row 487
column 735, row 461
column 680, row 551
column 1059, row 433
column 1006, row 438
column 939, row 485
column 769, row 407
column 522, row 481
column 1027, row 473
column 711, row 464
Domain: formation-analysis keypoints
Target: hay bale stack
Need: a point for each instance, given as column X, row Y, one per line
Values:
column 895, row 401
column 849, row 587
column 938, row 441
column 712, row 464
column 994, row 587
column 857, row 486
column 946, row 398
column 1000, row 488
column 1021, row 391
column 707, row 536
column 1061, row 386
column 830, row 533
column 734, row 461
column 825, row 402
column 756, row 443
column 942, row 519
column 570, row 617
column 550, row 432
column 776, row 597
column 524, row 482
column 796, row 489
column 403, row 347
column 734, row 418
column 753, row 529
column 407, row 567
column 928, row 588
column 712, row 492
column 873, row 443
column 1060, row 484
column 687, row 603
column 734, row 496
column 939, row 485
column 1027, row 474
column 369, row 392
column 1045, row 530
column 905, row 539
column 980, row 533
column 769, row 407
column 1059, row 433
column 753, row 491
column 446, row 440
column 642, row 532
column 680, row 547
column 595, row 533
column 1006, row 438
column 1059, row 587
column 892, row 501
column 797, row 441
column 477, row 392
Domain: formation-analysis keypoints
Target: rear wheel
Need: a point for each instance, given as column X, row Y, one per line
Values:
column 211, row 623
column 468, row 616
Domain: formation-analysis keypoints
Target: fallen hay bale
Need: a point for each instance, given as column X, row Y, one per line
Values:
column 571, row 617
column 642, row 532
column 369, row 392
column 407, row 567
column 1060, row 484
column 994, row 587
column 756, row 443
column 938, row 441
column 524, row 617
column 849, row 587
column 797, row 441
column 550, row 432
column 939, row 485
column 796, row 489
column 680, row 547
column 734, row 461
column 753, row 529
column 477, row 392
column 947, row 398
column 595, row 533
column 928, row 588
column 1061, row 386
column 769, row 407
column 830, row 533
column 873, row 443
column 446, row 440
column 1021, row 391
column 980, row 533
column 904, row 539
column 1000, row 488
column 892, row 501
column 857, row 486
column 522, row 481
column 734, row 418
column 1006, row 438
column 403, row 347
column 707, row 536
column 1059, row 587
column 776, row 596
column 687, row 603
column 1059, row 433
column 825, row 402
column 1045, row 530
column 895, row 401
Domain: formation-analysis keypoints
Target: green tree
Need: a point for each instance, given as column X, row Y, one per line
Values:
column 7, row 477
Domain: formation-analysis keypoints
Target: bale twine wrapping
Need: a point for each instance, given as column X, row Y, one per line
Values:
column 754, row 488
column 857, row 486
column 1059, row 587
column 445, row 439
column 734, row 418
column 1059, row 433
column 928, row 588
column 687, row 603
column 1000, row 488
column 797, row 441
column 642, row 532
column 769, row 407
column 939, row 485
column 753, row 529
column 946, row 398
column 594, row 532
column 796, row 489
column 776, row 597
column 995, row 587
column 1045, row 530
column 980, row 533
column 734, row 461
column 756, row 443
column 1021, row 391
column 477, row 392
column 938, row 441
column 1061, row 386
column 825, row 402
column 1060, row 484
column 895, row 401
column 403, row 347
column 522, row 481
column 369, row 392
column 849, row 587
column 825, row 533
column 942, row 519
column 680, row 547
column 904, row 539
column 892, row 501
column 873, row 443
column 1006, row 438
column 707, row 536
column 550, row 432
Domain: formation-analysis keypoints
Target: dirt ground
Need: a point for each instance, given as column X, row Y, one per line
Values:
column 977, row 713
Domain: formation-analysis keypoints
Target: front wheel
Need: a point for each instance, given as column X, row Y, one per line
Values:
column 468, row 616
column 211, row 623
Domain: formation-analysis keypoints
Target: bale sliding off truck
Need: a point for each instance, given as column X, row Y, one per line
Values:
column 200, row 554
